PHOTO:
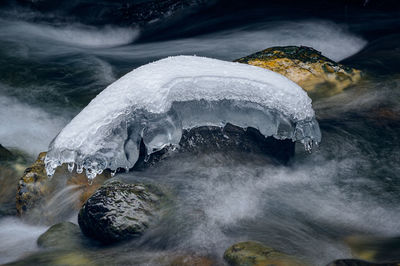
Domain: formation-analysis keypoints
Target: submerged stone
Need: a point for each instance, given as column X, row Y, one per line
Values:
column 119, row 211
column 65, row 235
column 353, row 262
column 252, row 253
column 53, row 258
column 192, row 260
column 12, row 165
column 376, row 249
column 5, row 155
column 307, row 67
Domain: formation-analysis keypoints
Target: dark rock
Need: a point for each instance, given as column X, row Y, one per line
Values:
column 352, row 262
column 231, row 138
column 11, row 168
column 381, row 56
column 119, row 211
column 120, row 12
column 5, row 155
column 65, row 235
column 252, row 253
column 374, row 248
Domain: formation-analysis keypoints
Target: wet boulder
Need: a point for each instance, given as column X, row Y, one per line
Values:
column 5, row 155
column 65, row 235
column 353, row 262
column 307, row 67
column 35, row 187
column 32, row 185
column 12, row 165
column 374, row 248
column 119, row 211
column 252, row 253
column 229, row 139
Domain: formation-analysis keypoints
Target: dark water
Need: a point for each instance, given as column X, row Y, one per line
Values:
column 53, row 61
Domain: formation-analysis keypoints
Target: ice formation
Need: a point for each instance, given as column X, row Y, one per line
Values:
column 155, row 102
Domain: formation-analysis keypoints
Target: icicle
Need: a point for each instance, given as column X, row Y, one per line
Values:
column 79, row 168
column 71, row 167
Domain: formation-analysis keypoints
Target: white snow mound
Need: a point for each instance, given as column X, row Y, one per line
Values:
column 157, row 101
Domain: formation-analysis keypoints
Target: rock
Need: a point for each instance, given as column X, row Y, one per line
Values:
column 192, row 260
column 376, row 249
column 65, row 235
column 34, row 186
column 119, row 12
column 312, row 71
column 5, row 155
column 252, row 253
column 118, row 211
column 8, row 180
column 11, row 168
column 352, row 262
column 231, row 138
column 54, row 258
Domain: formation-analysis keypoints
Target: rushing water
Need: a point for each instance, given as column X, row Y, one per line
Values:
column 50, row 69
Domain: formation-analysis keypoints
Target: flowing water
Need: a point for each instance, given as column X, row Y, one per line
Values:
column 50, row 68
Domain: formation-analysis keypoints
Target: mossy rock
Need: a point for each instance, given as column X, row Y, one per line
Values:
column 307, row 67
column 55, row 258
column 34, row 186
column 252, row 253
column 65, row 235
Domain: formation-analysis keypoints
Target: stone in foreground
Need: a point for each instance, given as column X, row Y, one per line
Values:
column 65, row 235
column 312, row 71
column 252, row 253
column 118, row 211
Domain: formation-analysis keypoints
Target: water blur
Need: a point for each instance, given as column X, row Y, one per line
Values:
column 349, row 186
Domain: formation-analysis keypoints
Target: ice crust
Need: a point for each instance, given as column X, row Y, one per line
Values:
column 157, row 101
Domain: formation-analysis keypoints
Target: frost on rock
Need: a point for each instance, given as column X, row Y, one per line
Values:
column 155, row 102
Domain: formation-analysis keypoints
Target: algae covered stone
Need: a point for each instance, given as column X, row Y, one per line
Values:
column 56, row 258
column 307, row 67
column 34, row 186
column 65, row 235
column 119, row 211
column 252, row 253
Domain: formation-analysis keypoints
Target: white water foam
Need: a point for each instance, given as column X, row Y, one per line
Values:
column 333, row 40
column 27, row 128
column 76, row 35
column 17, row 238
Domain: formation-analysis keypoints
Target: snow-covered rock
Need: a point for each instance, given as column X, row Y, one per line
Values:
column 155, row 102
